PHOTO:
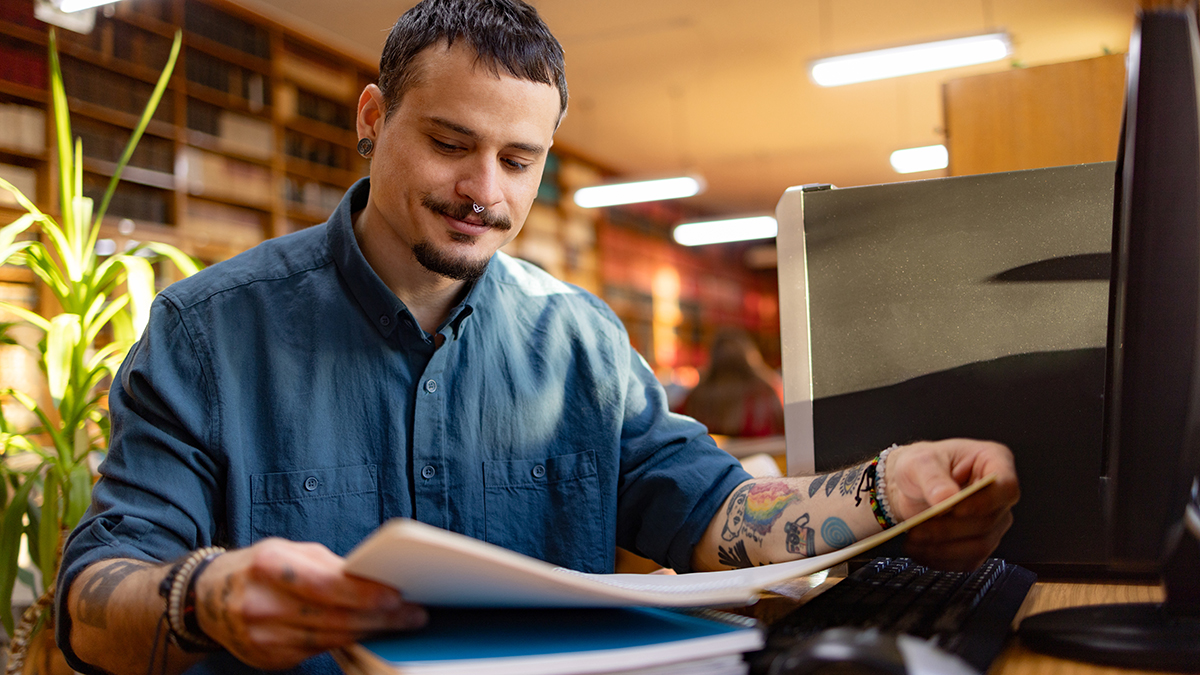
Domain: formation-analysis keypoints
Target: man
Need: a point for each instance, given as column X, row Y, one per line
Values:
column 392, row 363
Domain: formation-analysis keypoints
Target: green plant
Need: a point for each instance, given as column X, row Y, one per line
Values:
column 45, row 476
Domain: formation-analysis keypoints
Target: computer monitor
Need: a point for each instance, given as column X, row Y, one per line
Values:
column 1152, row 400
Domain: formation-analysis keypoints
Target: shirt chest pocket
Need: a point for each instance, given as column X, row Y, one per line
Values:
column 336, row 507
column 548, row 508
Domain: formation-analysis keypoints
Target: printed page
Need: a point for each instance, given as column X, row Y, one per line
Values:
column 434, row 567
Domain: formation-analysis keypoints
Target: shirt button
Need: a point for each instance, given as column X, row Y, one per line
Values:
column 428, row 472
column 385, row 320
column 311, row 483
column 539, row 471
column 430, row 386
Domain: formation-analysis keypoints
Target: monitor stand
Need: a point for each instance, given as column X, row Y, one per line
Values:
column 1147, row 636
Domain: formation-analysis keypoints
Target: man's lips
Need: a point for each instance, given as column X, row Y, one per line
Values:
column 472, row 227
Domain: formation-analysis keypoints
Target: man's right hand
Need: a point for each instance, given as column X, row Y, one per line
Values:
column 279, row 602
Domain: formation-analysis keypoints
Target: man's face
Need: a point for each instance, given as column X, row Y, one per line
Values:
column 460, row 136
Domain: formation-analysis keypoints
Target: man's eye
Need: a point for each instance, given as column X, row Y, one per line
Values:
column 445, row 147
column 514, row 164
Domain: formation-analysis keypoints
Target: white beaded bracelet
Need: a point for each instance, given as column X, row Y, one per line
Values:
column 881, row 486
column 181, row 579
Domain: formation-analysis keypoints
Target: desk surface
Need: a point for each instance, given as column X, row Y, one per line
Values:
column 1015, row 660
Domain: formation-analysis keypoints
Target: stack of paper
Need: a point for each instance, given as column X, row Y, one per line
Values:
column 496, row 612
column 561, row 642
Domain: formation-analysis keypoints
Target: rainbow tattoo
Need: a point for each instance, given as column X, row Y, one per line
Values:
column 765, row 504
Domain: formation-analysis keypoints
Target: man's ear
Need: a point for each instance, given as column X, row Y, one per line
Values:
column 371, row 112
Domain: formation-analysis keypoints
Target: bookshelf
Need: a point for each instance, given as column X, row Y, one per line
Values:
column 255, row 139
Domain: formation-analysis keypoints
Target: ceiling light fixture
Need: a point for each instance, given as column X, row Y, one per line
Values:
column 926, row 158
column 641, row 191
column 79, row 5
column 922, row 58
column 721, row 231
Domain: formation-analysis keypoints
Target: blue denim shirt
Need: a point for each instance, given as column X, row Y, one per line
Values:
column 288, row 392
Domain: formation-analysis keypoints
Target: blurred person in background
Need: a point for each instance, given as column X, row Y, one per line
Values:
column 738, row 395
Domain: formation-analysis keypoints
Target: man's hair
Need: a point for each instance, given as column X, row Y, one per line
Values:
column 505, row 34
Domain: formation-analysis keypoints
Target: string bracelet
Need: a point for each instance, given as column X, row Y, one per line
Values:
column 878, row 492
column 179, row 588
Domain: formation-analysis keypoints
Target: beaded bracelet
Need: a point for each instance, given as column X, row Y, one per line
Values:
column 179, row 588
column 879, row 503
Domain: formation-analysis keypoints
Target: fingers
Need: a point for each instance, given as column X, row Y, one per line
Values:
column 923, row 474
column 961, row 554
column 317, row 575
column 278, row 602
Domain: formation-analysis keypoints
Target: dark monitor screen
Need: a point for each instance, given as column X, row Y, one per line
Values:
column 1152, row 398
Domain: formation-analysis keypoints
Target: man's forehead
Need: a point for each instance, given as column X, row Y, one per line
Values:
column 454, row 106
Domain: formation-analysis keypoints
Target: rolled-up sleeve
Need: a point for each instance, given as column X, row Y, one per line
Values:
column 674, row 478
column 160, row 492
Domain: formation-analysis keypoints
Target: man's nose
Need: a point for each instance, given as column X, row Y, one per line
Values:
column 481, row 183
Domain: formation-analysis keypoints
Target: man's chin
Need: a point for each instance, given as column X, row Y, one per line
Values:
column 459, row 268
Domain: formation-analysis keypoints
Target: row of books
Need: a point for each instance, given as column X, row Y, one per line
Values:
column 311, row 195
column 105, row 88
column 106, row 142
column 234, row 132
column 23, row 178
column 317, row 151
column 23, row 65
column 209, row 71
column 22, row 128
column 335, row 83
column 123, row 41
column 133, row 201
column 226, row 29
column 208, row 174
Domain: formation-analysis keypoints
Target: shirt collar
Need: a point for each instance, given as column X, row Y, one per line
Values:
column 376, row 299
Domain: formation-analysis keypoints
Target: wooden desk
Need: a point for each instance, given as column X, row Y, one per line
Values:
column 1016, row 659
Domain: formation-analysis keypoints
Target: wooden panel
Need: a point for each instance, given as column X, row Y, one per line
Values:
column 1026, row 118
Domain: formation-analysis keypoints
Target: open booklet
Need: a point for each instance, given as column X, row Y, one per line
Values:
column 440, row 568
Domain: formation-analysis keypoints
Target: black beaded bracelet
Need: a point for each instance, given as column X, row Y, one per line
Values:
column 179, row 589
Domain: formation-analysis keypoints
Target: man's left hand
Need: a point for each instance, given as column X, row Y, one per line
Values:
column 920, row 475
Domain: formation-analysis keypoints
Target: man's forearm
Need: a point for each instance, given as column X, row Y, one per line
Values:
column 778, row 519
column 115, row 610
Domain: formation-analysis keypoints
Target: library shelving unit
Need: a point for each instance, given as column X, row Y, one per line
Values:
column 255, row 139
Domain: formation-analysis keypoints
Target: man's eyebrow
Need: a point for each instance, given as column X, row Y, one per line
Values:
column 532, row 148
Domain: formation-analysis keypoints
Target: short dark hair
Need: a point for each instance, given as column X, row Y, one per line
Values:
column 506, row 34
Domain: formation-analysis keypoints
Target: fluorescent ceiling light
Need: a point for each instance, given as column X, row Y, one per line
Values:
column 927, row 158
column 721, row 231
column 642, row 191
column 78, row 5
column 922, row 58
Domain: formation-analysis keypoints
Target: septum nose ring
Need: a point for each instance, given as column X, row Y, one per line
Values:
column 476, row 208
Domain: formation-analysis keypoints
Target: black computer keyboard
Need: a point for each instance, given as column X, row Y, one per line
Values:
column 967, row 614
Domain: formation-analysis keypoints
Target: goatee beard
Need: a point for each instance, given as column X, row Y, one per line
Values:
column 459, row 268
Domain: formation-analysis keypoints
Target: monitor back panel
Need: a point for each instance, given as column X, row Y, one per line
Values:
column 973, row 306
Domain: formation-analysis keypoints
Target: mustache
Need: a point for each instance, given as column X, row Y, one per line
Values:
column 464, row 211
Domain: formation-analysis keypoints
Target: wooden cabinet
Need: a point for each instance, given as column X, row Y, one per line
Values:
column 1026, row 118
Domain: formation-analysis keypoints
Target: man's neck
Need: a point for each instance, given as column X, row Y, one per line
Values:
column 428, row 295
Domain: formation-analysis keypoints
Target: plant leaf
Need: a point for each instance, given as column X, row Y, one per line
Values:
column 49, row 527
column 79, row 494
column 62, row 128
column 186, row 263
column 8, row 233
column 97, row 324
column 139, row 283
column 61, row 341
column 32, row 317
column 10, row 545
column 147, row 114
column 22, row 199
